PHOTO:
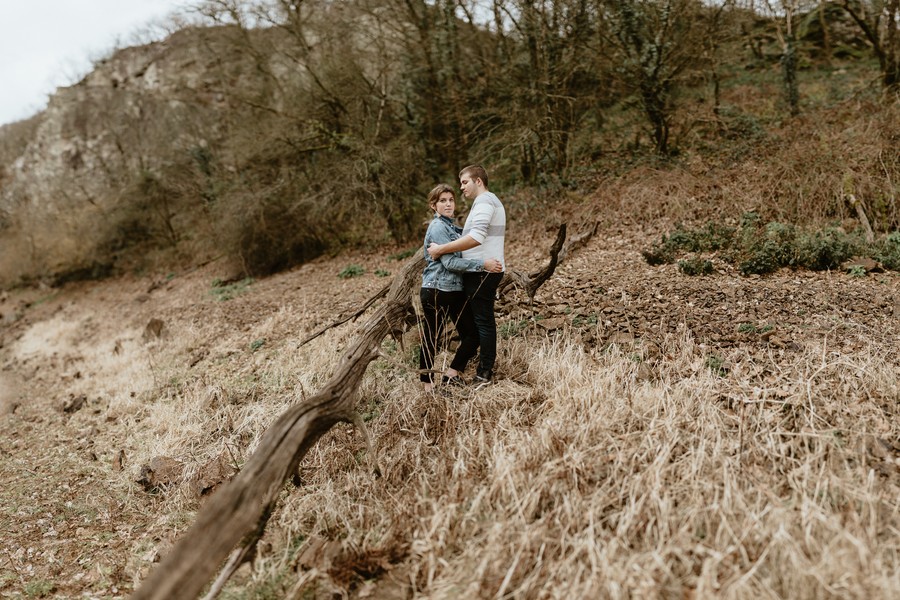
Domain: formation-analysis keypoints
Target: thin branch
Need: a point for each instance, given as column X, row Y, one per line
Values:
column 347, row 317
column 240, row 507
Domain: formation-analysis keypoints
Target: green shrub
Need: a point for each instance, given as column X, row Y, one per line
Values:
column 763, row 259
column 826, row 249
column 658, row 254
column 351, row 271
column 711, row 237
column 759, row 249
column 695, row 266
column 717, row 365
column 766, row 249
column 887, row 251
column 405, row 254
column 39, row 588
column 223, row 292
column 511, row 329
column 746, row 328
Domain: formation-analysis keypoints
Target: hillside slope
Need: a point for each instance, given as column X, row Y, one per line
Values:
column 650, row 434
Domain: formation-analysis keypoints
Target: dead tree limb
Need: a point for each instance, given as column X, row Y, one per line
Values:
column 861, row 213
column 579, row 239
column 246, row 552
column 344, row 318
column 530, row 283
column 238, row 512
column 241, row 507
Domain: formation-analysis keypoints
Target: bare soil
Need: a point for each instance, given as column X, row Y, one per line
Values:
column 77, row 522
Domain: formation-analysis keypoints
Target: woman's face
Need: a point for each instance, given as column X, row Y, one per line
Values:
column 446, row 204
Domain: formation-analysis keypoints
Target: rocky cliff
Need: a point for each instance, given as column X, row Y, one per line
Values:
column 141, row 112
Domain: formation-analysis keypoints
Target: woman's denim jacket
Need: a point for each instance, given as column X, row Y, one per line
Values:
column 445, row 273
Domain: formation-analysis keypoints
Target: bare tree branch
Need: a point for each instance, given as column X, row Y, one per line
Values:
column 531, row 283
column 238, row 513
column 241, row 507
column 347, row 317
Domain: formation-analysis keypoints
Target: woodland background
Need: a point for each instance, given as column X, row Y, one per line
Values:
column 268, row 133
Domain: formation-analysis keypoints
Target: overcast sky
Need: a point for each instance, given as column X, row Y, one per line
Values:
column 49, row 43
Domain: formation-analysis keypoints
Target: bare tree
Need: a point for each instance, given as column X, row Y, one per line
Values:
column 785, row 12
column 879, row 21
column 658, row 42
column 552, row 81
column 435, row 88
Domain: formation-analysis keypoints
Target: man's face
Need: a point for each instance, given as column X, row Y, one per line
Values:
column 468, row 186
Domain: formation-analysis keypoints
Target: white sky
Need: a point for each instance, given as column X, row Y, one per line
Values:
column 49, row 43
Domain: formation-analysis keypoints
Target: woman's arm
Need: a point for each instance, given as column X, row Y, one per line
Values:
column 466, row 242
column 440, row 233
column 455, row 262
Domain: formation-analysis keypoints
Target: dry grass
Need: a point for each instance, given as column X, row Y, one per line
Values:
column 632, row 469
column 802, row 171
column 577, row 475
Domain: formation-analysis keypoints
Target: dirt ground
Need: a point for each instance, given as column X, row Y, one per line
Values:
column 72, row 512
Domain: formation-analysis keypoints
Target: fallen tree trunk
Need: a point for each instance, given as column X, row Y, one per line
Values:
column 238, row 512
column 242, row 506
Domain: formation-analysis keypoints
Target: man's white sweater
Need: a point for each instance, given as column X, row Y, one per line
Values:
column 486, row 224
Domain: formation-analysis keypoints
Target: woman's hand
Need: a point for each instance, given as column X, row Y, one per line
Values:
column 492, row 265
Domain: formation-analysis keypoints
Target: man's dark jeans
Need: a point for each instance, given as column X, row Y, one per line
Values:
column 481, row 290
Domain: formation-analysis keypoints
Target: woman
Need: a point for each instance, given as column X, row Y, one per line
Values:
column 442, row 292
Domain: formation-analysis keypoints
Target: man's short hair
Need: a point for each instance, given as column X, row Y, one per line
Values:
column 475, row 172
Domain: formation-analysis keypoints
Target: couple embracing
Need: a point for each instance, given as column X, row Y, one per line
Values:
column 463, row 268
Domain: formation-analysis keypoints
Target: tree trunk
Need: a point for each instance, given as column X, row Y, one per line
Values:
column 826, row 34
column 239, row 511
column 789, row 71
column 891, row 70
column 242, row 506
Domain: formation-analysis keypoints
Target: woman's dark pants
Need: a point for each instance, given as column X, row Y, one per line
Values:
column 437, row 307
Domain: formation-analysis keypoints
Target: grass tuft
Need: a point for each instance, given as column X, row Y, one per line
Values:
column 351, row 271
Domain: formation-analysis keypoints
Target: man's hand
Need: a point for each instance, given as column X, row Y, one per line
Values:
column 435, row 250
column 492, row 265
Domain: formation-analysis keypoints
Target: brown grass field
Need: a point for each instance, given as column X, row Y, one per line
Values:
column 650, row 435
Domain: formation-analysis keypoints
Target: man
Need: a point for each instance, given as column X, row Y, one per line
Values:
column 482, row 237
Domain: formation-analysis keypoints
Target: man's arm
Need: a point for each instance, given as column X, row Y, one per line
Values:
column 466, row 242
